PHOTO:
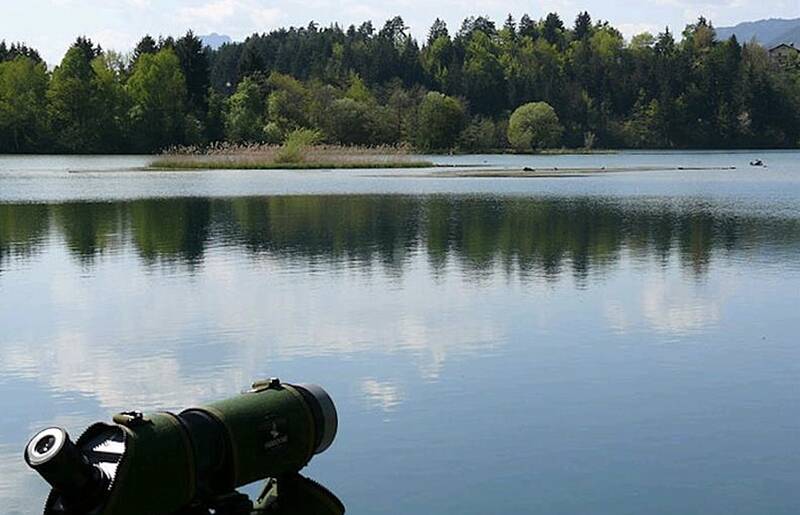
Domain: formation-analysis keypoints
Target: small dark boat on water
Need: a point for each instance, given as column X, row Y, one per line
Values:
column 758, row 162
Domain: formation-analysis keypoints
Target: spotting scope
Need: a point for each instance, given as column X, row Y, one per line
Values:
column 193, row 462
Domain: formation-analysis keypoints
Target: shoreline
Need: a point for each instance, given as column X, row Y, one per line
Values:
column 444, row 171
column 567, row 172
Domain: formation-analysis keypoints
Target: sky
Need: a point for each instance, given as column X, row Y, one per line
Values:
column 52, row 25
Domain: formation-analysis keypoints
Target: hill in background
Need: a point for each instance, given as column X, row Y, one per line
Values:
column 215, row 40
column 769, row 33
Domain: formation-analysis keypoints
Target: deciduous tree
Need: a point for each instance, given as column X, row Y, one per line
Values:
column 534, row 126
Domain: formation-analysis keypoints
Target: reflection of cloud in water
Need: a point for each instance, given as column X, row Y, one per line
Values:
column 667, row 304
column 16, row 477
column 348, row 312
column 381, row 395
column 677, row 308
column 73, row 363
column 70, row 363
column 158, row 342
column 617, row 317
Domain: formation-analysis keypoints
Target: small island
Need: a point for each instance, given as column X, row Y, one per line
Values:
column 301, row 150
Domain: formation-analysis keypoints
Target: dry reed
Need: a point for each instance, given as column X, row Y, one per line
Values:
column 265, row 156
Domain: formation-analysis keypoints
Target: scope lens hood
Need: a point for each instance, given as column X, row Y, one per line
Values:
column 328, row 419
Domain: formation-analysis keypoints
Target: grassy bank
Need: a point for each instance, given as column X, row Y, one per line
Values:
column 295, row 154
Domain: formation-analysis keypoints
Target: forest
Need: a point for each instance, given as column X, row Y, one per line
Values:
column 521, row 85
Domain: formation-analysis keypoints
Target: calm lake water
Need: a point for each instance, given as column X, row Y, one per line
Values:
column 616, row 344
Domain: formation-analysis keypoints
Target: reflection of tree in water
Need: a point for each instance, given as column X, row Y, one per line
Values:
column 167, row 230
column 353, row 228
column 532, row 236
column 22, row 227
column 88, row 228
column 174, row 230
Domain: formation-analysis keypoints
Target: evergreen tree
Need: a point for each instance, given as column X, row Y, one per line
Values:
column 510, row 26
column 438, row 30
column 527, row 27
column 85, row 45
column 583, row 25
column 147, row 45
column 194, row 64
column 250, row 61
column 18, row 50
column 553, row 30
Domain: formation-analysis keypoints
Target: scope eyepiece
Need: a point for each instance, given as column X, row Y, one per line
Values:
column 45, row 446
column 58, row 460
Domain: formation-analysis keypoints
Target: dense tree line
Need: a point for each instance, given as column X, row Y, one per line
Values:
column 522, row 85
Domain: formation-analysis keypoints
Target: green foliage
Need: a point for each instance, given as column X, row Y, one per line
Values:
column 606, row 43
column 534, row 126
column 295, row 145
column 157, row 89
column 9, row 53
column 483, row 74
column 215, row 116
column 111, row 103
column 147, row 45
column 272, row 133
column 73, row 110
column 194, row 64
column 287, row 104
column 480, row 135
column 245, row 117
column 644, row 129
column 23, row 112
column 358, row 91
column 370, row 85
column 349, row 122
column 441, row 119
column 642, row 42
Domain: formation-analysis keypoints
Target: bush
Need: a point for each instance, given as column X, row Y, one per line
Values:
column 296, row 144
column 534, row 126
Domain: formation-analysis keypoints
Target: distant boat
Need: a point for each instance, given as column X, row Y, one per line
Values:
column 757, row 162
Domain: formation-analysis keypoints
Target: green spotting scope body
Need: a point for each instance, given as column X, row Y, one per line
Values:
column 162, row 463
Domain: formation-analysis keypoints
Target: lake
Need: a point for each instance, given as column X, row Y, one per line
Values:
column 615, row 344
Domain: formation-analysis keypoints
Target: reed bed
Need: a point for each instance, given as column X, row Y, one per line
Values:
column 264, row 157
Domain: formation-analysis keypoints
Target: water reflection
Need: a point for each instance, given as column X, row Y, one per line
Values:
column 633, row 323
column 22, row 228
column 535, row 237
